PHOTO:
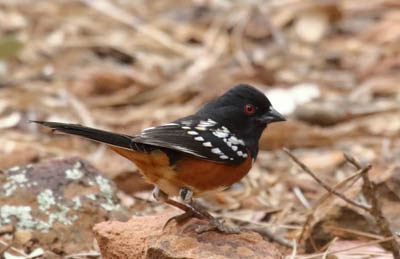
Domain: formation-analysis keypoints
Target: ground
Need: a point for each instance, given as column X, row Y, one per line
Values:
column 331, row 67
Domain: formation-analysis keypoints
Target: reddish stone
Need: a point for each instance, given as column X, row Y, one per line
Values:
column 143, row 237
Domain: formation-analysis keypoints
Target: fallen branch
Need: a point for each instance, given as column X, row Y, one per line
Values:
column 325, row 185
column 324, row 198
column 370, row 193
column 268, row 234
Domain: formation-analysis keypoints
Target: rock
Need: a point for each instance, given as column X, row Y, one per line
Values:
column 55, row 204
column 143, row 237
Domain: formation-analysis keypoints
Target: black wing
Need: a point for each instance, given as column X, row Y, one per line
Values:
column 202, row 138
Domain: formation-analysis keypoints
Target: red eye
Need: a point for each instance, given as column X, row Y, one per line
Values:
column 249, row 109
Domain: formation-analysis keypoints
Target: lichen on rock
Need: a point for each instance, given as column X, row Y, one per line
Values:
column 57, row 201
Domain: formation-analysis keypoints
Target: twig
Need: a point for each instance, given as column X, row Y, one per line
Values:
column 355, row 232
column 2, row 251
column 6, row 229
column 277, row 34
column 325, row 185
column 262, row 229
column 300, row 196
column 267, row 233
column 43, row 75
column 256, row 223
column 367, row 244
column 363, row 245
column 93, row 254
column 352, row 161
column 130, row 20
column 322, row 199
column 324, row 256
column 237, row 41
column 294, row 251
column 9, row 246
column 370, row 193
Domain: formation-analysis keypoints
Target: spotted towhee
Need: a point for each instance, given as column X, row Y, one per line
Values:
column 201, row 153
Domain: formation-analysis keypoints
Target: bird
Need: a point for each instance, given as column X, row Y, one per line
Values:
column 195, row 155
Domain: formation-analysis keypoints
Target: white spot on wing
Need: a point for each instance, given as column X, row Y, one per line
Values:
column 220, row 134
column 235, row 141
column 192, row 132
column 201, row 128
column 217, row 151
column 186, row 127
column 225, row 129
column 206, row 124
column 207, row 144
column 199, row 138
column 234, row 148
column 223, row 157
column 240, row 153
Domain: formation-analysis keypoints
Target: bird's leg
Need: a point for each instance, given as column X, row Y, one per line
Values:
column 193, row 209
column 189, row 211
column 214, row 223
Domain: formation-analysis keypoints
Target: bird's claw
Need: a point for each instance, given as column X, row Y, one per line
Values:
column 211, row 226
column 183, row 217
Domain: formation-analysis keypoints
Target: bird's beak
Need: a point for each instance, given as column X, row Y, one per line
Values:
column 273, row 116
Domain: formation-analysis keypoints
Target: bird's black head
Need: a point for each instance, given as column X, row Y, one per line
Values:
column 245, row 111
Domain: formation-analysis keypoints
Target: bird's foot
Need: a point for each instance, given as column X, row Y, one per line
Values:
column 213, row 225
column 189, row 213
column 194, row 209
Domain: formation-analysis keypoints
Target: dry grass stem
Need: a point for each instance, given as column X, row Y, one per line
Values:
column 325, row 185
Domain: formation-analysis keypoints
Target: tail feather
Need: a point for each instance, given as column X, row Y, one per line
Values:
column 103, row 136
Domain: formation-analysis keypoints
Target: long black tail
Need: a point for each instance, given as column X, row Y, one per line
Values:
column 107, row 137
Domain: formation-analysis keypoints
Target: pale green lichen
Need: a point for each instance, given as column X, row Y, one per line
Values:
column 61, row 215
column 23, row 216
column 77, row 203
column 106, row 190
column 24, row 219
column 45, row 200
column 50, row 204
column 15, row 168
column 109, row 206
column 14, row 181
column 104, row 185
column 30, row 184
column 9, row 188
column 18, row 178
column 91, row 196
column 74, row 173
